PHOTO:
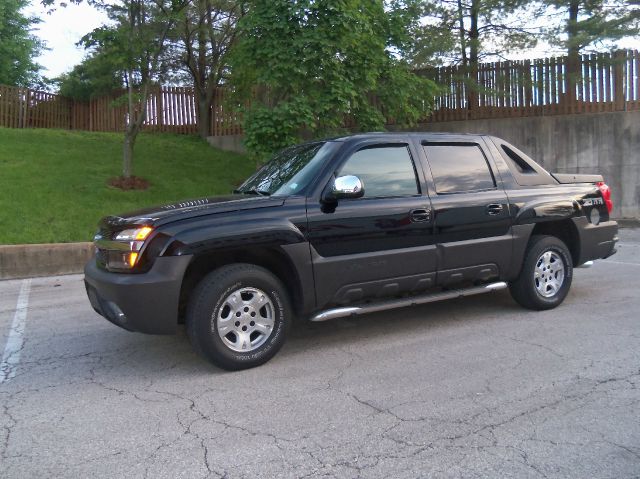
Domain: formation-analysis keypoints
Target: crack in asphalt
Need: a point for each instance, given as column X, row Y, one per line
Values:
column 490, row 428
column 411, row 448
column 7, row 428
column 536, row 345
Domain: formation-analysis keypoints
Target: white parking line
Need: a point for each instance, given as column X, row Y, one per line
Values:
column 15, row 341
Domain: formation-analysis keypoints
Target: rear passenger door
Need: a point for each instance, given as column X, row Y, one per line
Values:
column 472, row 224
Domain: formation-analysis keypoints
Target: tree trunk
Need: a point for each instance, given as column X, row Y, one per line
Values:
column 204, row 116
column 462, row 35
column 129, row 130
column 134, row 123
column 573, row 51
column 474, row 47
column 127, row 157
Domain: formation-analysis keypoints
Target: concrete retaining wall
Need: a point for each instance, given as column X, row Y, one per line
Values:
column 604, row 143
column 31, row 260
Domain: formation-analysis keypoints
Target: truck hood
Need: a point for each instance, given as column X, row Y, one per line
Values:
column 160, row 215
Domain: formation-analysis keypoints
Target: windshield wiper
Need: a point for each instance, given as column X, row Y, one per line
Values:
column 253, row 191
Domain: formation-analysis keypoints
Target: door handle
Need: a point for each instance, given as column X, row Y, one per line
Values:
column 494, row 209
column 420, row 215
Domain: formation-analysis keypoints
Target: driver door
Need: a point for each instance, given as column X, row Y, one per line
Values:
column 381, row 244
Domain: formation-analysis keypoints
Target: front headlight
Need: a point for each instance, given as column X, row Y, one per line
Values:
column 123, row 252
column 134, row 234
column 135, row 238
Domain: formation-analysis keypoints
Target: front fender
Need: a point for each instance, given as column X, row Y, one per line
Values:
column 261, row 240
column 213, row 236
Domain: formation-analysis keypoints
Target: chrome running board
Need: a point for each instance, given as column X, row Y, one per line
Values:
column 587, row 264
column 401, row 303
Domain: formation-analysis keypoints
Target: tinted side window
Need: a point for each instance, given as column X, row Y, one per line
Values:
column 384, row 171
column 458, row 168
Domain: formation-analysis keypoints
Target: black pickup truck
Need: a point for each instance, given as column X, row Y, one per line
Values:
column 346, row 226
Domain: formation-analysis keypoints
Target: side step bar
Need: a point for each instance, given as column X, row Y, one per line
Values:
column 587, row 264
column 400, row 303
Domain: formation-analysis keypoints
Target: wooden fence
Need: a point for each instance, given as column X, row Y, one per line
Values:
column 168, row 109
column 25, row 108
column 607, row 82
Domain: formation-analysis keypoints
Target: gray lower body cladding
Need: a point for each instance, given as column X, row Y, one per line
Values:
column 596, row 241
column 147, row 303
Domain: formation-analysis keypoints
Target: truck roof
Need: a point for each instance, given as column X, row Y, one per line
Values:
column 422, row 134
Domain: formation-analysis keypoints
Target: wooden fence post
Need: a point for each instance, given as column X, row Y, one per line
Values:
column 472, row 92
column 26, row 105
column 23, row 95
column 160, row 109
column 618, row 79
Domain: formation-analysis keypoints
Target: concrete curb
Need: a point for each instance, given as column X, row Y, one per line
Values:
column 33, row 260
column 628, row 222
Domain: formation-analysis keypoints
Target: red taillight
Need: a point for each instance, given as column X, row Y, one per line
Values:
column 606, row 194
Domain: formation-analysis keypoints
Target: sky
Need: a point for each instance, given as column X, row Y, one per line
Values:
column 61, row 30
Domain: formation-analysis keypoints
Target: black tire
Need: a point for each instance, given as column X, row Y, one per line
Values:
column 538, row 286
column 213, row 304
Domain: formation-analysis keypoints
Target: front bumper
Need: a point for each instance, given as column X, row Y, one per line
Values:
column 147, row 302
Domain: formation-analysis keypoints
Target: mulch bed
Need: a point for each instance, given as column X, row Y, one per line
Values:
column 131, row 183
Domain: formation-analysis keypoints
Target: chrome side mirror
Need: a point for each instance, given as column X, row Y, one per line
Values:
column 348, row 186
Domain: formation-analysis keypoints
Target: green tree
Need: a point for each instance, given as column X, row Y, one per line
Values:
column 134, row 44
column 465, row 32
column 18, row 46
column 305, row 66
column 585, row 24
column 97, row 75
column 199, row 47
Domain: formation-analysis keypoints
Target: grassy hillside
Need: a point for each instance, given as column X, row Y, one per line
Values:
column 53, row 183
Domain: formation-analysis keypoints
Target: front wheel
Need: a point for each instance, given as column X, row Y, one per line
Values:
column 546, row 274
column 238, row 316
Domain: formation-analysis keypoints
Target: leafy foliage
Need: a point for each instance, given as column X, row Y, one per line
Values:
column 468, row 31
column 304, row 66
column 198, row 48
column 98, row 75
column 18, row 46
column 134, row 44
column 586, row 24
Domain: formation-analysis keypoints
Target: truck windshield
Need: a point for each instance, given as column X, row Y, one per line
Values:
column 289, row 171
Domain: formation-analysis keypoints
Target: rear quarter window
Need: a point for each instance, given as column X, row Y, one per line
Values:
column 525, row 171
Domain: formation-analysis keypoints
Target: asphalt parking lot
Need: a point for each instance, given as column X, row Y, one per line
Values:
column 476, row 387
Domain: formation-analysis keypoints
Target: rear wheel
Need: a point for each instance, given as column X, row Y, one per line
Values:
column 238, row 316
column 546, row 274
